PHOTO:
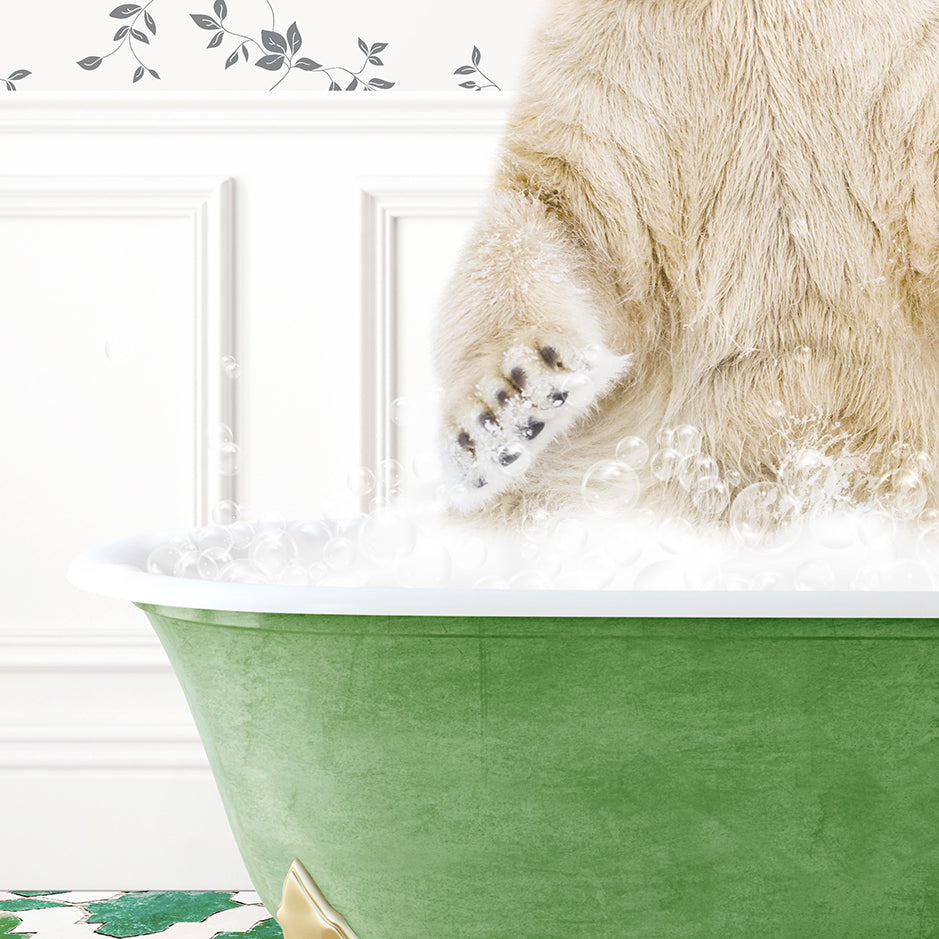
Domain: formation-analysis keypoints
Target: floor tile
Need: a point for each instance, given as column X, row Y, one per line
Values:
column 180, row 914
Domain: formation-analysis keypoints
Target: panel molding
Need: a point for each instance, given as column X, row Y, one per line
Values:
column 385, row 202
column 60, row 748
column 255, row 112
column 206, row 203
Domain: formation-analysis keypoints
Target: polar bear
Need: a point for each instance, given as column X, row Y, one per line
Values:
column 722, row 214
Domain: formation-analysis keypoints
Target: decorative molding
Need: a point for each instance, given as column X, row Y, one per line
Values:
column 257, row 112
column 92, row 747
column 91, row 653
column 384, row 203
column 206, row 204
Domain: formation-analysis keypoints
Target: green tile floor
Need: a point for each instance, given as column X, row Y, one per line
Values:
column 169, row 914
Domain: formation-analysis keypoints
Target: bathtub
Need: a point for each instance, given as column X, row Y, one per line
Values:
column 538, row 764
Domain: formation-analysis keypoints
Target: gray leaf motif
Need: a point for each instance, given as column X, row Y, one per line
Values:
column 380, row 83
column 204, row 22
column 150, row 22
column 140, row 36
column 221, row 11
column 216, row 40
column 125, row 10
column 18, row 74
column 121, row 32
column 308, row 65
column 273, row 42
column 138, row 74
column 90, row 62
column 378, row 47
column 293, row 38
column 465, row 70
column 232, row 59
column 363, row 46
column 271, row 62
column 476, row 56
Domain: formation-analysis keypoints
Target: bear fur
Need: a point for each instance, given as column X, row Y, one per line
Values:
column 720, row 213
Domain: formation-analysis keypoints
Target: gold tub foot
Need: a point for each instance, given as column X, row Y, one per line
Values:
column 304, row 913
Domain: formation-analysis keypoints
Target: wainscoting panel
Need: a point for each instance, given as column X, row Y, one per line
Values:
column 201, row 299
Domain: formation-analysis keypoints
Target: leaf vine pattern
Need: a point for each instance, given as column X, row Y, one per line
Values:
column 277, row 50
column 14, row 76
column 474, row 69
column 126, row 36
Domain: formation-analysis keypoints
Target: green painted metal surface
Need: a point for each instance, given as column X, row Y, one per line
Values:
column 444, row 778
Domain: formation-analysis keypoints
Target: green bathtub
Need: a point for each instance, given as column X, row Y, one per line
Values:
column 477, row 773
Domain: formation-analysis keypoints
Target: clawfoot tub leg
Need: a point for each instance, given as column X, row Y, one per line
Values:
column 304, row 912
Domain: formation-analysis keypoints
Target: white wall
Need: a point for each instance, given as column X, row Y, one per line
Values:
column 426, row 42
column 141, row 240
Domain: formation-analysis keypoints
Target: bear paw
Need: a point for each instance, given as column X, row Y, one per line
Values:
column 537, row 391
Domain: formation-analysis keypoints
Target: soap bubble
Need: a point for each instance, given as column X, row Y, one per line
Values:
column 665, row 464
column 814, row 574
column 578, row 387
column 469, row 552
column 837, row 530
column 187, row 565
column 339, row 553
column 164, row 558
column 387, row 536
column 310, row 538
column 633, row 451
column 760, row 511
column 776, row 409
column 588, row 571
column 429, row 565
column 391, row 473
column 901, row 493
column 609, row 487
column 229, row 459
column 225, row 512
column 908, row 575
column 361, row 481
column 665, row 438
column 211, row 561
column 687, row 439
column 241, row 534
column 272, row 551
column 221, row 435
column 212, row 537
column 569, row 535
column 528, row 580
column 876, row 529
column 899, row 453
column 675, row 535
column 400, row 412
column 921, row 462
column 803, row 474
column 698, row 472
column 242, row 571
column 294, row 575
column 624, row 545
column 660, row 575
column 231, row 367
column 803, row 354
column 711, row 501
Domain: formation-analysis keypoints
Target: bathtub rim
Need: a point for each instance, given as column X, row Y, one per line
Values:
column 116, row 570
